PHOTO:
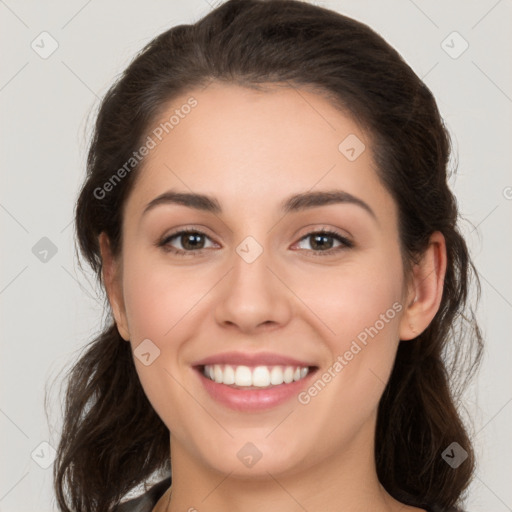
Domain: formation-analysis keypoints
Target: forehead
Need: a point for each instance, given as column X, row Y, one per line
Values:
column 254, row 147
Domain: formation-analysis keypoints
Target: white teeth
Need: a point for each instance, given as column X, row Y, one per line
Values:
column 217, row 373
column 258, row 376
column 228, row 375
column 288, row 374
column 276, row 375
column 261, row 377
column 243, row 376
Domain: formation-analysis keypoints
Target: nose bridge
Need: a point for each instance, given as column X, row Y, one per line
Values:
column 252, row 295
column 251, row 265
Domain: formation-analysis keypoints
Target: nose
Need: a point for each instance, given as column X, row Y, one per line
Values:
column 253, row 297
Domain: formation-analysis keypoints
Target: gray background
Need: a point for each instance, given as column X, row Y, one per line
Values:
column 50, row 309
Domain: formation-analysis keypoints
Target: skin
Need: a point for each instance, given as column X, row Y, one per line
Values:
column 251, row 150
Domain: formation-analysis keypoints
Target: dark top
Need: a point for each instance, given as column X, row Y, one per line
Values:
column 146, row 502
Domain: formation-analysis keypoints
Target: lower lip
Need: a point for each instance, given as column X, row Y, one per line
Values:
column 253, row 399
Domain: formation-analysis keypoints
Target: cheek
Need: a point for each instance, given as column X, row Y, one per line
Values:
column 366, row 306
column 159, row 303
column 363, row 292
column 361, row 307
column 159, row 297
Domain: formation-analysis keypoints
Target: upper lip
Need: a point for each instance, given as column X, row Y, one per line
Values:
column 254, row 359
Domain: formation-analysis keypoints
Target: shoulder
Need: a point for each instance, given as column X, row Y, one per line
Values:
column 146, row 501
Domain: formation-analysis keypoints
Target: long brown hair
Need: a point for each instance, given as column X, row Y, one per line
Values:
column 112, row 440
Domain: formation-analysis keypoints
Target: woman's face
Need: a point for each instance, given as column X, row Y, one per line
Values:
column 258, row 285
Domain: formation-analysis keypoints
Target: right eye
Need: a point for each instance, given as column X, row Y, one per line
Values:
column 190, row 241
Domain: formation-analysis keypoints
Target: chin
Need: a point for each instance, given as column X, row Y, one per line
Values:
column 254, row 459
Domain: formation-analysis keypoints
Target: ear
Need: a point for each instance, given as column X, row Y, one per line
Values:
column 112, row 279
column 425, row 290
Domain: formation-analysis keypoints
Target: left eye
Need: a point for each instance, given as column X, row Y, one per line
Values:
column 320, row 239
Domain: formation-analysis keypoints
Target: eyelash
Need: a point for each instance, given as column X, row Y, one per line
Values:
column 346, row 243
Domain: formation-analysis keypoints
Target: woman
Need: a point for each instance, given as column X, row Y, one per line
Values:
column 267, row 207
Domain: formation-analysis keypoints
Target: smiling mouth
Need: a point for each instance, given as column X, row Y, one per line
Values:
column 255, row 377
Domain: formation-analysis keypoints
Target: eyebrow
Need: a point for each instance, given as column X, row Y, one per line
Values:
column 295, row 203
